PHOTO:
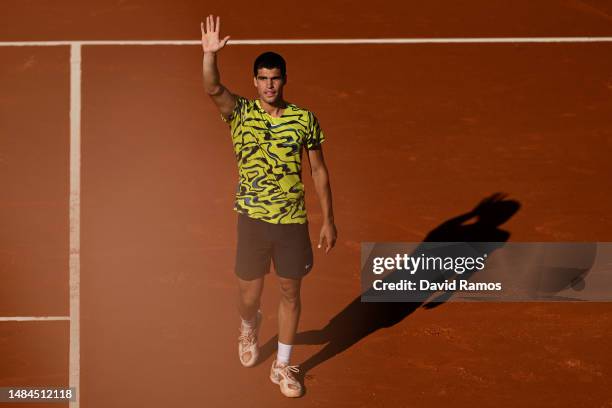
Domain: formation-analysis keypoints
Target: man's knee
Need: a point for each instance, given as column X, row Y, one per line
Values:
column 290, row 291
column 249, row 299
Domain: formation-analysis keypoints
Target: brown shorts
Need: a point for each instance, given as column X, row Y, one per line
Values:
column 259, row 242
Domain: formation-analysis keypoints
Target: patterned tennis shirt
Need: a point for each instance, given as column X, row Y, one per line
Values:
column 269, row 155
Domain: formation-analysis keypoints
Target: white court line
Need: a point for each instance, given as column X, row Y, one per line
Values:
column 75, row 220
column 32, row 318
column 75, row 227
column 323, row 41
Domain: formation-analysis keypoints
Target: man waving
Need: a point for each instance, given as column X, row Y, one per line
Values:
column 269, row 135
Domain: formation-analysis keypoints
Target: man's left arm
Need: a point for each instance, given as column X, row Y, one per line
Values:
column 320, row 177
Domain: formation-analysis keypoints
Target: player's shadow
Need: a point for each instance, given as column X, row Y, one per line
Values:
column 360, row 319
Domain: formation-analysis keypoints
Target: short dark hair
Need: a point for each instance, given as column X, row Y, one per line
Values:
column 270, row 60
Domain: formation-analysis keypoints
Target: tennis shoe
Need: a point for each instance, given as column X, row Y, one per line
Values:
column 284, row 376
column 248, row 348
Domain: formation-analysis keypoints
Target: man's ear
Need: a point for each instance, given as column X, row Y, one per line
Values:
column 255, row 81
column 285, row 80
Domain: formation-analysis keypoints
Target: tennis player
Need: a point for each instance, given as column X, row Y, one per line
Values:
column 269, row 135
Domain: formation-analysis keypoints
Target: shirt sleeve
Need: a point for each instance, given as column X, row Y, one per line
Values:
column 236, row 115
column 315, row 135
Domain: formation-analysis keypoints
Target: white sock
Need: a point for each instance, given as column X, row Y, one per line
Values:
column 284, row 353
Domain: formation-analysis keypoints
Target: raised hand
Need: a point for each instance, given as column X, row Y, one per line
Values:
column 210, row 35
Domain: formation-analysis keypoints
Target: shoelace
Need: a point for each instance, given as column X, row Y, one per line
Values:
column 247, row 337
column 289, row 370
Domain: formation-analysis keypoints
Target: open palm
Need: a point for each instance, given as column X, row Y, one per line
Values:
column 210, row 35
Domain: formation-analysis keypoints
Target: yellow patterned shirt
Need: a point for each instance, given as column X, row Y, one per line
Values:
column 269, row 155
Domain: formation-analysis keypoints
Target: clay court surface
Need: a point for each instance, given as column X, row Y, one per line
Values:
column 416, row 134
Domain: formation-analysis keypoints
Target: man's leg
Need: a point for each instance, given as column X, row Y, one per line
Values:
column 289, row 310
column 248, row 308
column 249, row 297
column 253, row 255
column 282, row 372
column 292, row 256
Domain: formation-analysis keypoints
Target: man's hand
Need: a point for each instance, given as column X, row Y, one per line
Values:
column 328, row 234
column 210, row 35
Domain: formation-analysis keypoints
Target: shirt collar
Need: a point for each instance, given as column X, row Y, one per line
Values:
column 263, row 111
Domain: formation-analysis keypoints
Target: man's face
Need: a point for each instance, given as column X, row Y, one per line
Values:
column 269, row 84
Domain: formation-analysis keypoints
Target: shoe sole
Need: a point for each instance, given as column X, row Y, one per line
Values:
column 277, row 382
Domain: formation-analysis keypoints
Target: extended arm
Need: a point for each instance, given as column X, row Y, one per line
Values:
column 320, row 177
column 221, row 96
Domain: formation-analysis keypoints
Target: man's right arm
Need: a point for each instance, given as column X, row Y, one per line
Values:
column 221, row 96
